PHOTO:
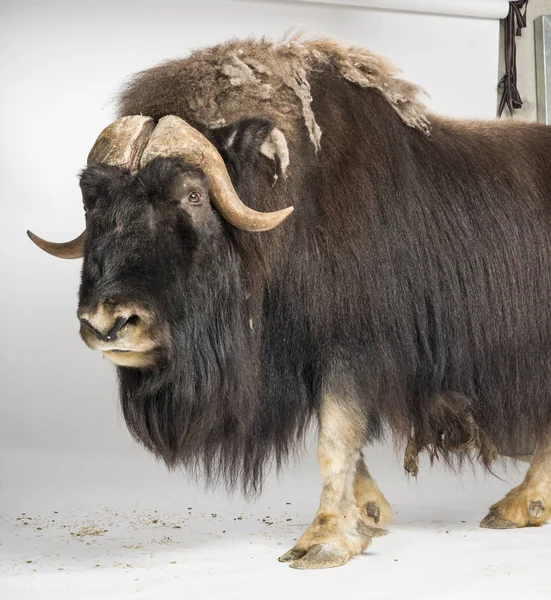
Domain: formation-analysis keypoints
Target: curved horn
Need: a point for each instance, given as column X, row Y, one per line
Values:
column 174, row 137
column 120, row 144
column 72, row 249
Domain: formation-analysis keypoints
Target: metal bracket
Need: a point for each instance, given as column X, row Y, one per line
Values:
column 542, row 36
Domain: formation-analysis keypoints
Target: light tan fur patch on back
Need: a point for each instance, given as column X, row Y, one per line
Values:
column 264, row 78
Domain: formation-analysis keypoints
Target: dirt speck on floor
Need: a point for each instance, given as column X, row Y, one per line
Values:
column 88, row 531
column 164, row 541
column 124, row 565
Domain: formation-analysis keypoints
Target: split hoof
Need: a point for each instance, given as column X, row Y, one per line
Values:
column 321, row 556
column 293, row 554
column 493, row 520
column 521, row 507
column 327, row 550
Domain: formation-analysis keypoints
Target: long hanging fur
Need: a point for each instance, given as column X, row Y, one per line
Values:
column 415, row 264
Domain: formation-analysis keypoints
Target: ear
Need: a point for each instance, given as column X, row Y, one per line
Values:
column 242, row 143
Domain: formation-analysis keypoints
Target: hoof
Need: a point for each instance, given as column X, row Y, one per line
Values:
column 293, row 554
column 493, row 520
column 333, row 551
column 321, row 556
column 536, row 509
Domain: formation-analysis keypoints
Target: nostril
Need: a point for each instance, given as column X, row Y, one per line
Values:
column 132, row 320
column 112, row 333
column 120, row 322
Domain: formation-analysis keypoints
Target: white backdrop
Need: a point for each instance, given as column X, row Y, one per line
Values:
column 61, row 435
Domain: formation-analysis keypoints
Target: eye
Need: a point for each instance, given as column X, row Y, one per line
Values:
column 194, row 197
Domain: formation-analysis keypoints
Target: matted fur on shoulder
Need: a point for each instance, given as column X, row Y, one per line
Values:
column 260, row 77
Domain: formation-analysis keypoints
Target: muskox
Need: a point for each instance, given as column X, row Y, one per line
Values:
column 409, row 290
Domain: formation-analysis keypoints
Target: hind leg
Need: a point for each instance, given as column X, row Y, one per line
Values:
column 340, row 529
column 529, row 504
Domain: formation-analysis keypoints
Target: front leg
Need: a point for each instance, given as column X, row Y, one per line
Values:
column 340, row 528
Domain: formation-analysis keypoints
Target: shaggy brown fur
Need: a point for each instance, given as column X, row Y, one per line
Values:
column 420, row 263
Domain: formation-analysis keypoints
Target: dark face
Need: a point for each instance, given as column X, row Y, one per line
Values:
column 153, row 238
column 144, row 232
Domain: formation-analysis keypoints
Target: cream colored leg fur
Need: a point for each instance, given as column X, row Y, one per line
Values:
column 351, row 505
column 529, row 504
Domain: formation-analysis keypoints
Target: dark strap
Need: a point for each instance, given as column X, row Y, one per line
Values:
column 514, row 23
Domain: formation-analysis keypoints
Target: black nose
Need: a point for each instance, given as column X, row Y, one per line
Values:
column 112, row 331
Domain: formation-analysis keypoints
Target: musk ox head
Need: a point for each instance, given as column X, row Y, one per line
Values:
column 156, row 199
column 157, row 192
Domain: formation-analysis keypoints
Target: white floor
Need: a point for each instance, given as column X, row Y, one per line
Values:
column 109, row 554
column 173, row 540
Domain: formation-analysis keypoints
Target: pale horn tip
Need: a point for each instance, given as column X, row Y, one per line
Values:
column 33, row 237
column 267, row 221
